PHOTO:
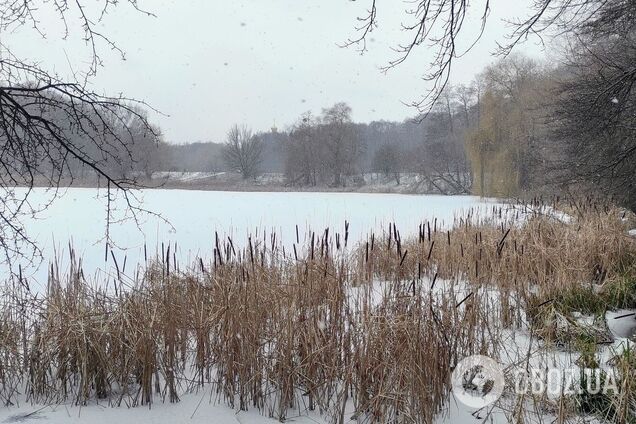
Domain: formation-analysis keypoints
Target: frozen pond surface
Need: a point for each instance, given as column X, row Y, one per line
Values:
column 79, row 216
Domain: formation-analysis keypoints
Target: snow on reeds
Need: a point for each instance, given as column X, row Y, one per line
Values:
column 371, row 331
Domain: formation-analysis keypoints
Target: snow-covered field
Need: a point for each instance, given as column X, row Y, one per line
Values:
column 79, row 217
column 193, row 408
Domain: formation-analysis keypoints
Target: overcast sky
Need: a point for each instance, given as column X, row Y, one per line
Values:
column 207, row 64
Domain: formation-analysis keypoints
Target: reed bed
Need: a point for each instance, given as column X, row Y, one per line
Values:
column 370, row 332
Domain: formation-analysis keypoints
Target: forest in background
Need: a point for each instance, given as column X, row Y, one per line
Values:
column 521, row 127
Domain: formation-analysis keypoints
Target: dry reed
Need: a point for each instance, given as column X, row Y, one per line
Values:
column 371, row 332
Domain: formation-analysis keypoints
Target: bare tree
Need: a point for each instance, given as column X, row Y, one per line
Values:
column 442, row 161
column 465, row 96
column 140, row 157
column 594, row 116
column 47, row 123
column 302, row 160
column 388, row 160
column 243, row 151
column 341, row 142
column 444, row 167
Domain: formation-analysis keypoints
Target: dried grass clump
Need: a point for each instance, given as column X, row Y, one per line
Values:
column 526, row 253
column 266, row 331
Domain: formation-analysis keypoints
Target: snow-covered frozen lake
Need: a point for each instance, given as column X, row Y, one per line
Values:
column 79, row 217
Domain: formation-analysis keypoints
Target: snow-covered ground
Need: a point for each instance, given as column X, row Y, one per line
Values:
column 192, row 409
column 79, row 217
column 185, row 176
column 622, row 323
column 371, row 182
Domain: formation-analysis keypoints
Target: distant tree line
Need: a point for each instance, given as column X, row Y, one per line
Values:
column 520, row 127
column 324, row 150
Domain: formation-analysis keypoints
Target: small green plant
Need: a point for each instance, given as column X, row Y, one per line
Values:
column 620, row 293
column 597, row 402
column 611, row 404
column 583, row 299
column 587, row 345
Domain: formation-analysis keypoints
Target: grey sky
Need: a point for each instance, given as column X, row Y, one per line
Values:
column 207, row 64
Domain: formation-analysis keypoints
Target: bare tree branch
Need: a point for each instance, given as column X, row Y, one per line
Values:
column 52, row 128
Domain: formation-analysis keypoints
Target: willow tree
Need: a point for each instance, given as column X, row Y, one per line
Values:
column 490, row 149
column 502, row 145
